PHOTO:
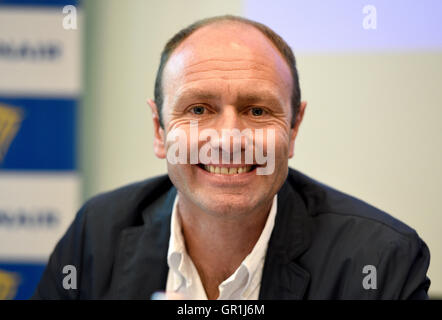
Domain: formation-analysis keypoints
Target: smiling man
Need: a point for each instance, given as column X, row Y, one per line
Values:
column 231, row 220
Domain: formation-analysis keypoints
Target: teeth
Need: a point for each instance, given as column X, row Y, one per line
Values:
column 225, row 170
column 233, row 170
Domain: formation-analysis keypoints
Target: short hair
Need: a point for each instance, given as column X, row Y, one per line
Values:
column 280, row 44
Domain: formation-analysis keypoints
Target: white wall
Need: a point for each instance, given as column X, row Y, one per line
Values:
column 372, row 129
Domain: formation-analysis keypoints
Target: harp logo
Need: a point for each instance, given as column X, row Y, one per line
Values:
column 10, row 120
column 8, row 285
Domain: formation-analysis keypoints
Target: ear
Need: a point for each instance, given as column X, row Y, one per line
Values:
column 159, row 140
column 294, row 130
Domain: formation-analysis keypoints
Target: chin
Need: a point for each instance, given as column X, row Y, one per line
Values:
column 227, row 205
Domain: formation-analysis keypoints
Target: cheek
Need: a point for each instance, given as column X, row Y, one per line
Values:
column 181, row 176
column 282, row 142
column 176, row 140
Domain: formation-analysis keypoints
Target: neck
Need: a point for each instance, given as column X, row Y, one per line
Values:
column 217, row 245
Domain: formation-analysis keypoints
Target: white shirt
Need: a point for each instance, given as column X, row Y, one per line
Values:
column 243, row 284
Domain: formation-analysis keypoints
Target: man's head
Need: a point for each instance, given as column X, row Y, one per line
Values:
column 227, row 73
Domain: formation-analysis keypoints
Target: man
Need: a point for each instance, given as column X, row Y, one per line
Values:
column 221, row 228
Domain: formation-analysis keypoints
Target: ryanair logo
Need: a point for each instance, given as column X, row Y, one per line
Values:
column 8, row 284
column 30, row 51
column 10, row 120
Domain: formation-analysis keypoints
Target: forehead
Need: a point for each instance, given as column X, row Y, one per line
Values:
column 226, row 51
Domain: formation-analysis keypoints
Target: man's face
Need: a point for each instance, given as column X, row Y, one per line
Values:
column 228, row 76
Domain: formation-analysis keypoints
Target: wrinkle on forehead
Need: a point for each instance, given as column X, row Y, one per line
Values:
column 228, row 42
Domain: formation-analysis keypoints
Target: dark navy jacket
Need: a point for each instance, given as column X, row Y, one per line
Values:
column 320, row 244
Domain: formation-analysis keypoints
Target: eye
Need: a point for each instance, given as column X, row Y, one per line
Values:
column 257, row 112
column 198, row 110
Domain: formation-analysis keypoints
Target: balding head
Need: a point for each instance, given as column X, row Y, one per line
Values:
column 208, row 34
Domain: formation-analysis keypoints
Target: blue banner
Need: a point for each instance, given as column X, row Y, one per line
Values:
column 41, row 134
column 18, row 280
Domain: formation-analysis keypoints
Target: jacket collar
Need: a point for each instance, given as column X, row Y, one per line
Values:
column 141, row 262
column 283, row 277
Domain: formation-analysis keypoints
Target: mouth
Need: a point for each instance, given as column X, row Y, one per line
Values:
column 227, row 170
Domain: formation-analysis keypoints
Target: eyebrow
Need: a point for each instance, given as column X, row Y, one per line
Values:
column 197, row 94
column 257, row 97
column 242, row 98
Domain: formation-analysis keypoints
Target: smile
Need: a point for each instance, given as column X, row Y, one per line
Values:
column 227, row 170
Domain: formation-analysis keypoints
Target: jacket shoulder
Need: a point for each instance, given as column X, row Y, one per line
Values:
column 90, row 244
column 348, row 235
column 325, row 202
column 126, row 203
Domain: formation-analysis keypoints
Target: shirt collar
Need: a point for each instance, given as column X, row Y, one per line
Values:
column 176, row 254
column 254, row 259
column 252, row 264
column 179, row 261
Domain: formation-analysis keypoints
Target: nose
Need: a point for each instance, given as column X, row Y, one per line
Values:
column 229, row 126
column 229, row 118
